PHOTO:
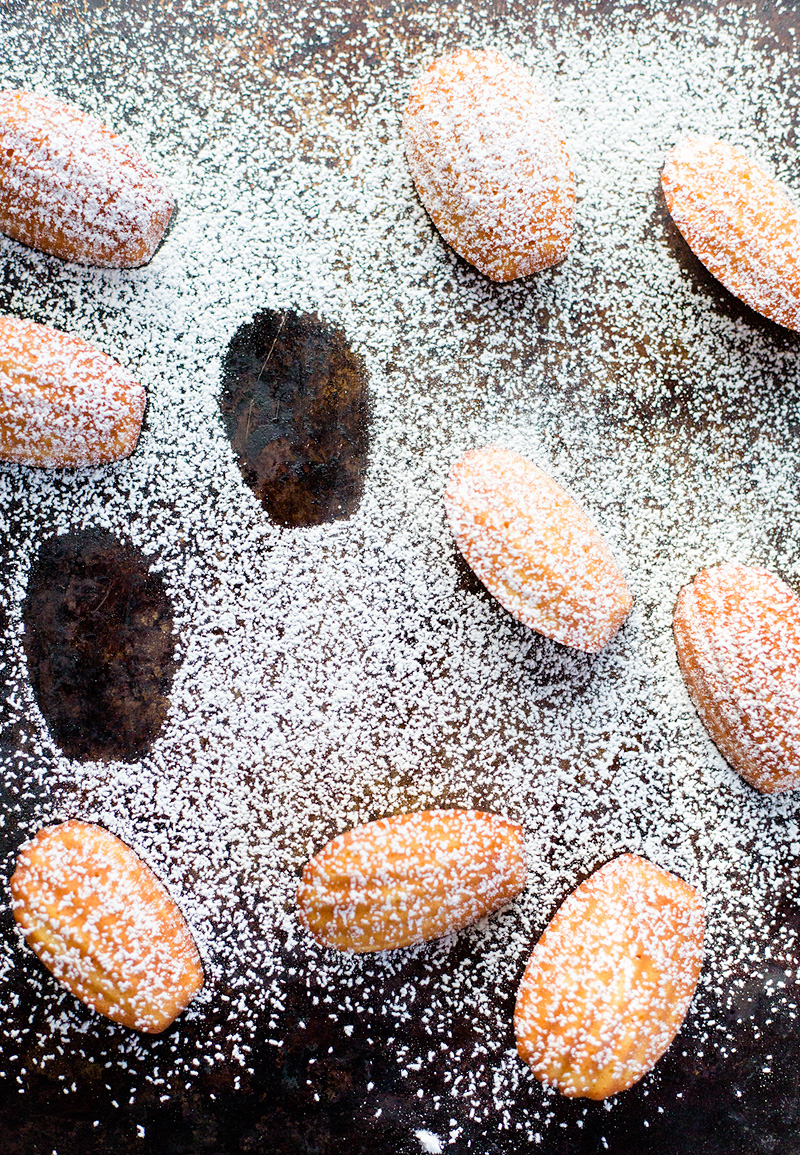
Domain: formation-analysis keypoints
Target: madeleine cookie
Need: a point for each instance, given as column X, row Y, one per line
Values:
column 63, row 402
column 610, row 980
column 489, row 163
column 73, row 188
column 410, row 878
column 105, row 927
column 737, row 632
column 534, row 549
column 739, row 222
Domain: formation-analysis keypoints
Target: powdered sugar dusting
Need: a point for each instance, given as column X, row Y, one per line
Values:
column 63, row 402
column 342, row 673
column 407, row 879
column 534, row 549
column 737, row 630
column 740, row 224
column 609, row 982
column 72, row 187
column 489, row 164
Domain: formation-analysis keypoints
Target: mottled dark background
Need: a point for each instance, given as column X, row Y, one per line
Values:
column 702, row 1102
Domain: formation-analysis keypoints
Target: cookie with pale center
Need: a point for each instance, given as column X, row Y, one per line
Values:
column 490, row 164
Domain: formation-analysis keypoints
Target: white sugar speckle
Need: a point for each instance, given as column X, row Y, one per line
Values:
column 429, row 1142
column 341, row 673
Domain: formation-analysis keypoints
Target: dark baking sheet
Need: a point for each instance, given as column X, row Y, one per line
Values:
column 706, row 1098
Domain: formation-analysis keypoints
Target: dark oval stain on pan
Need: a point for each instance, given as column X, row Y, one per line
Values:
column 100, row 645
column 295, row 405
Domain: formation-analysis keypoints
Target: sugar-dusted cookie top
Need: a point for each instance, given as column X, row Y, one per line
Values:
column 489, row 163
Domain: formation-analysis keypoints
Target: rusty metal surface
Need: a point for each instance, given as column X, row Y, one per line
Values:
column 703, row 1102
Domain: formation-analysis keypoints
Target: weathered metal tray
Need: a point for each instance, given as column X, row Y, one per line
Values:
column 328, row 659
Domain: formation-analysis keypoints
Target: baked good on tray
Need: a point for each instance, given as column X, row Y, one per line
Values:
column 534, row 549
column 102, row 923
column 73, row 188
column 737, row 632
column 610, row 980
column 739, row 222
column 63, row 402
column 489, row 163
column 456, row 880
column 410, row 878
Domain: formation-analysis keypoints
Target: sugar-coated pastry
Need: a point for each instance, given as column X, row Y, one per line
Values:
column 489, row 163
column 410, row 878
column 610, row 980
column 534, row 549
column 63, row 402
column 73, row 188
column 739, row 222
column 737, row 632
column 103, row 924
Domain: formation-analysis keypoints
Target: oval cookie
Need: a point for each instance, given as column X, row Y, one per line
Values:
column 410, row 878
column 534, row 549
column 739, row 222
column 63, row 402
column 489, row 163
column 73, row 188
column 104, row 926
column 610, row 980
column 737, row 632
